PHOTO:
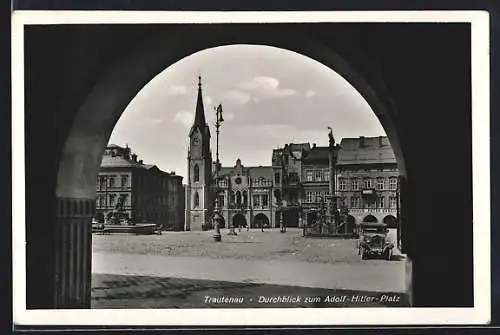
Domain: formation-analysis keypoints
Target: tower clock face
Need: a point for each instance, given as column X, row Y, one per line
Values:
column 196, row 141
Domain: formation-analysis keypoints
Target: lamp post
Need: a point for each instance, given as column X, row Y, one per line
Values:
column 282, row 221
column 217, row 216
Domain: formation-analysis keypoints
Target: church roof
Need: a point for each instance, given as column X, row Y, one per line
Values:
column 199, row 116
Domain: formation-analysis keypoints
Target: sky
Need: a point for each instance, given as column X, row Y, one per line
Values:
column 269, row 97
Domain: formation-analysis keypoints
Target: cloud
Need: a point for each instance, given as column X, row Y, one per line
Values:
column 155, row 121
column 176, row 90
column 310, row 94
column 184, row 117
column 266, row 87
column 237, row 97
column 229, row 116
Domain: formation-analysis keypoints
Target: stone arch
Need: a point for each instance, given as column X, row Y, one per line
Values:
column 350, row 224
column 390, row 221
column 83, row 146
column 261, row 219
column 370, row 218
column 239, row 220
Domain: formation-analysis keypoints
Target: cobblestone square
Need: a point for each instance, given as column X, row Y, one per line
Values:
column 181, row 269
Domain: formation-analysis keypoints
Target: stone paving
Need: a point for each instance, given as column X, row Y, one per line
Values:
column 182, row 269
column 136, row 292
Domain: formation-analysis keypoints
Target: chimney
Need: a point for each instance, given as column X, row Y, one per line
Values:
column 380, row 141
column 134, row 157
column 314, row 145
column 140, row 161
column 361, row 141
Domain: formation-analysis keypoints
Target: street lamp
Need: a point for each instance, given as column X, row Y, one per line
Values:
column 217, row 216
column 282, row 207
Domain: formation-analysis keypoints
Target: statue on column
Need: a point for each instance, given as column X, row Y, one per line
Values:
column 330, row 137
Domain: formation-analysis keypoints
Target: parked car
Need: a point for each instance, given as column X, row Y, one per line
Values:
column 373, row 240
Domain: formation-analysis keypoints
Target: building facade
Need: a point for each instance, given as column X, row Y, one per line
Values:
column 365, row 178
column 363, row 170
column 368, row 180
column 143, row 192
column 247, row 196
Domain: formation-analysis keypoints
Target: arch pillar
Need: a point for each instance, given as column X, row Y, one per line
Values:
column 73, row 252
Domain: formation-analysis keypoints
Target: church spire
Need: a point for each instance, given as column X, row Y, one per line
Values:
column 199, row 118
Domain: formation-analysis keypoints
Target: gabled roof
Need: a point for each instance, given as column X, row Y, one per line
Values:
column 316, row 154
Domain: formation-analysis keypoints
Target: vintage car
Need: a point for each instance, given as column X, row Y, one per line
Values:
column 373, row 240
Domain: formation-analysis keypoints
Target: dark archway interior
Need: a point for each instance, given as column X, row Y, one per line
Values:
column 239, row 221
column 421, row 98
column 261, row 220
column 390, row 221
column 370, row 218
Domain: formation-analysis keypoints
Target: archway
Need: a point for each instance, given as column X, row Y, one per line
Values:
column 261, row 220
column 58, row 225
column 370, row 218
column 222, row 222
column 239, row 220
column 350, row 224
column 92, row 126
column 390, row 221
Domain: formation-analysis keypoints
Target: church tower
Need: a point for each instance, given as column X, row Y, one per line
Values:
column 199, row 160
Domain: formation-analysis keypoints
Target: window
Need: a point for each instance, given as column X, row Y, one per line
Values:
column 343, row 201
column 265, row 201
column 326, row 175
column 238, row 197
column 309, row 197
column 355, row 184
column 277, row 178
column 381, row 202
column 221, row 200
column 393, row 183
column 309, row 176
column 245, row 198
column 370, row 203
column 367, row 183
column 354, row 202
column 196, row 173
column 342, row 183
column 317, row 175
column 256, row 201
column 124, row 181
column 112, row 200
column 111, row 182
column 196, row 200
column 125, row 200
column 392, row 202
column 380, row 183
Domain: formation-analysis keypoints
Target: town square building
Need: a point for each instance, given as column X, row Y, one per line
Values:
column 247, row 196
column 142, row 192
column 363, row 169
